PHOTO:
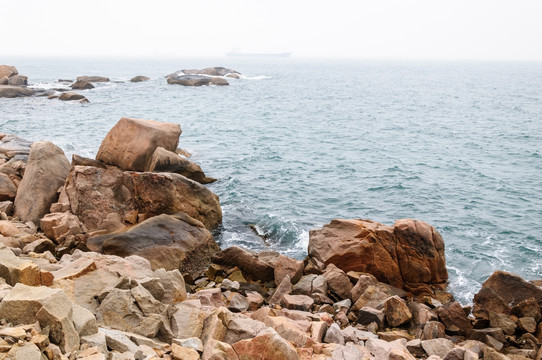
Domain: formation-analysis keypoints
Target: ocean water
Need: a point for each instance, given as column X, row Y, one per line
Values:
column 300, row 142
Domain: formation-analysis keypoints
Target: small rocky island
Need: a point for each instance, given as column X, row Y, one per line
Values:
column 114, row 258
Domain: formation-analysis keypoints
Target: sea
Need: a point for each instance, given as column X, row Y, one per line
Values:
column 296, row 143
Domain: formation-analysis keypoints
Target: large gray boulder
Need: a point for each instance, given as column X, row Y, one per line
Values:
column 12, row 91
column 46, row 171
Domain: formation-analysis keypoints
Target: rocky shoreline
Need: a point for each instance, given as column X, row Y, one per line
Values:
column 114, row 258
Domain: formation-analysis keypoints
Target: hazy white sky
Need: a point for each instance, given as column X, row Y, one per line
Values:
column 381, row 29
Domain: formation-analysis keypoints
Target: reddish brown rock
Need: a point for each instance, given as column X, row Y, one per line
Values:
column 131, row 142
column 396, row 311
column 81, row 85
column 454, row 318
column 18, row 80
column 249, row 263
column 503, row 290
column 94, row 194
column 297, row 302
column 70, row 96
column 167, row 241
column 46, row 171
column 338, row 281
column 288, row 266
column 268, row 345
column 93, row 78
column 408, row 255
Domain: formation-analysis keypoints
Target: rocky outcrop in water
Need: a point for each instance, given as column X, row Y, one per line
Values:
column 93, row 79
column 207, row 76
column 81, row 85
column 13, row 85
column 139, row 78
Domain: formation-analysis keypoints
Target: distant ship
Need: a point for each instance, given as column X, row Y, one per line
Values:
column 239, row 53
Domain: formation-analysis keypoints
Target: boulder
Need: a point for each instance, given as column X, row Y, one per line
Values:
column 11, row 146
column 267, row 345
column 8, row 190
column 79, row 160
column 439, row 347
column 163, row 160
column 501, row 291
column 454, row 318
column 18, row 80
column 93, row 79
column 183, row 353
column 210, row 71
column 4, row 80
column 81, row 85
column 139, row 78
column 248, row 262
column 167, row 241
column 8, row 71
column 11, row 91
column 396, row 311
column 51, row 307
column 188, row 320
column 196, row 80
column 17, row 270
column 408, row 255
column 46, row 171
column 131, row 142
column 393, row 350
column 93, row 194
column 70, row 96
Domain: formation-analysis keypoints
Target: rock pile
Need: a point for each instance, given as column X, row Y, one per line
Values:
column 104, row 259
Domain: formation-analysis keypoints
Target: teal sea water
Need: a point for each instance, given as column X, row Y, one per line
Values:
column 300, row 142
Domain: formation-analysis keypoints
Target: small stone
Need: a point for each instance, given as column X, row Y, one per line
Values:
column 255, row 300
column 334, row 335
column 527, row 324
column 238, row 303
column 227, row 284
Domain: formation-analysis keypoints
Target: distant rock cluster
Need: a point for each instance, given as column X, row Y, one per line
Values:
column 207, row 76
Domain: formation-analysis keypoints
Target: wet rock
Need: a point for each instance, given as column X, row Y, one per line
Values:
column 167, row 241
column 93, row 79
column 46, row 171
column 81, row 85
column 249, row 264
column 139, row 78
column 98, row 196
column 163, row 160
column 131, row 143
column 396, row 311
column 408, row 255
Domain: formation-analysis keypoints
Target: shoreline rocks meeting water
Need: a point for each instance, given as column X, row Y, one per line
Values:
column 114, row 258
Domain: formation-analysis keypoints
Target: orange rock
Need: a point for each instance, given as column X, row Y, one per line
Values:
column 408, row 255
column 131, row 142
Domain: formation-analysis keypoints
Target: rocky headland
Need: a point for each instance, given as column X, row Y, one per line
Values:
column 114, row 258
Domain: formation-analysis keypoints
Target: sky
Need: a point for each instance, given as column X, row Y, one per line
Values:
column 382, row 29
